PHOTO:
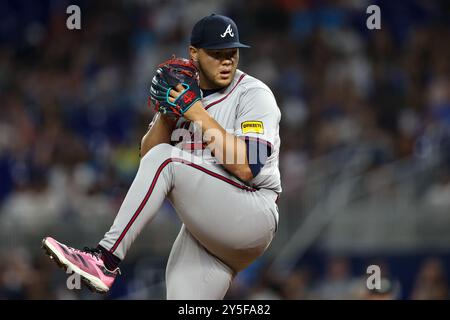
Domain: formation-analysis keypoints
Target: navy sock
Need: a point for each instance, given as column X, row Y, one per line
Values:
column 111, row 261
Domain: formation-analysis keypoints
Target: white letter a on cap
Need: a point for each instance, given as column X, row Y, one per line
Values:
column 228, row 31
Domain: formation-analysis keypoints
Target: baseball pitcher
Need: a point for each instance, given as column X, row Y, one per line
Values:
column 212, row 150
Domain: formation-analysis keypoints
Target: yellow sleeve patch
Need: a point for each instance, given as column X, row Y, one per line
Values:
column 252, row 127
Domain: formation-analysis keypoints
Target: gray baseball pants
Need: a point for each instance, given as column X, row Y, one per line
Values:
column 226, row 224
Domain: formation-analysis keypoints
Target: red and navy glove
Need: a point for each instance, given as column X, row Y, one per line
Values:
column 168, row 75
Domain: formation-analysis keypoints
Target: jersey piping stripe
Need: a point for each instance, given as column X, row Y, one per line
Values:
column 152, row 186
column 221, row 99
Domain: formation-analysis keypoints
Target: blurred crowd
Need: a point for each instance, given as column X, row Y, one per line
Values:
column 74, row 109
column 337, row 279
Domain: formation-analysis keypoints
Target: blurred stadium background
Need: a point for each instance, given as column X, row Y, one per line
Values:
column 365, row 156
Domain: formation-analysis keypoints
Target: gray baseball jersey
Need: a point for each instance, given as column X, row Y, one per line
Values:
column 226, row 224
column 247, row 108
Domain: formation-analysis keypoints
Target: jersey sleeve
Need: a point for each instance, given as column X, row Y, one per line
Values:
column 258, row 115
column 257, row 122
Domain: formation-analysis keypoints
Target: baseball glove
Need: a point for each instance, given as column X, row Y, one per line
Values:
column 168, row 75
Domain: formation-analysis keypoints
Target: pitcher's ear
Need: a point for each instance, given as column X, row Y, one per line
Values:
column 193, row 53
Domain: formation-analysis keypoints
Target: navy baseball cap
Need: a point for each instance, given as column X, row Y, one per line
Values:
column 216, row 32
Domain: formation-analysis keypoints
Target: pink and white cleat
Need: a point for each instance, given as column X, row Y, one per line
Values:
column 87, row 263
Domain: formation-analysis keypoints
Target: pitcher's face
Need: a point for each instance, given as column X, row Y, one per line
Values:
column 217, row 66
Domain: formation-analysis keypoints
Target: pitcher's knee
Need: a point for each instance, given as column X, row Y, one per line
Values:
column 160, row 153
